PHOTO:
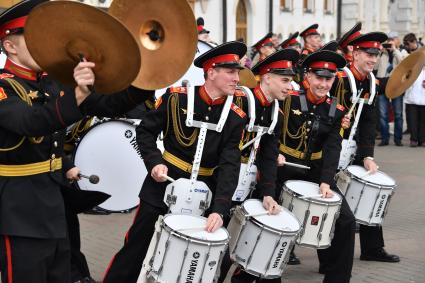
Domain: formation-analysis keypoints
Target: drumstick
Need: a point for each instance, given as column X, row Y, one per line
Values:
column 351, row 109
column 94, row 179
column 253, row 140
column 258, row 214
column 167, row 177
column 192, row 228
column 296, row 165
column 312, row 196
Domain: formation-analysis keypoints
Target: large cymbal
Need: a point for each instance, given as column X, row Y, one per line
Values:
column 405, row 74
column 166, row 33
column 57, row 32
column 247, row 78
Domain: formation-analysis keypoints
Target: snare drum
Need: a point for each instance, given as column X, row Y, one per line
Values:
column 109, row 150
column 368, row 195
column 261, row 244
column 317, row 215
column 185, row 252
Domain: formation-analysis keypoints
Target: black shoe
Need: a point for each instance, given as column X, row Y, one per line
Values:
column 90, row 280
column 322, row 268
column 413, row 143
column 293, row 260
column 398, row 143
column 97, row 211
column 380, row 255
column 383, row 143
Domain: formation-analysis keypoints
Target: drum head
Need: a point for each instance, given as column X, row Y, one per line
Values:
column 379, row 178
column 304, row 188
column 182, row 223
column 284, row 221
column 109, row 150
column 194, row 75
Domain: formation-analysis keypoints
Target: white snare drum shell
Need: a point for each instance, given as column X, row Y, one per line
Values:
column 263, row 242
column 246, row 182
column 187, row 255
column 368, row 195
column 317, row 215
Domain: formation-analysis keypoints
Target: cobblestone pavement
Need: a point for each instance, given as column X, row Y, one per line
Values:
column 404, row 229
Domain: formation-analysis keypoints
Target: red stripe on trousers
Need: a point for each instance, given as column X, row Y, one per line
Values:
column 9, row 259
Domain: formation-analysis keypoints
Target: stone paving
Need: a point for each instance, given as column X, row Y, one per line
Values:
column 404, row 229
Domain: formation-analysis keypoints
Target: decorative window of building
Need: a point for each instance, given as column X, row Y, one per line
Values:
column 328, row 7
column 241, row 21
column 286, row 5
column 308, row 6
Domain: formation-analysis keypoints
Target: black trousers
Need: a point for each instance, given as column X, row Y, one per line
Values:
column 126, row 265
column 79, row 266
column 24, row 260
column 415, row 115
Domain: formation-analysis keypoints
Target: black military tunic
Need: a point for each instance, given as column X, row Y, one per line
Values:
column 266, row 156
column 371, row 237
column 220, row 151
column 311, row 136
column 34, row 111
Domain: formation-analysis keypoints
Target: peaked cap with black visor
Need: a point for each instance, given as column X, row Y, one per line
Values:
column 350, row 35
column 290, row 41
column 280, row 63
column 324, row 63
column 265, row 41
column 370, row 42
column 226, row 55
column 311, row 30
column 12, row 20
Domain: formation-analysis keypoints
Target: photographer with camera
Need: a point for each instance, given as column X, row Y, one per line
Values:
column 390, row 57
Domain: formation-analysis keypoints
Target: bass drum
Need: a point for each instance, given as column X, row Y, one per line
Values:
column 194, row 75
column 109, row 150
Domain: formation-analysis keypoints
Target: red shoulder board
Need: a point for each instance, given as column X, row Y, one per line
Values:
column 238, row 111
column 5, row 76
column 3, row 94
column 158, row 102
column 377, row 82
column 239, row 93
column 178, row 89
column 338, row 106
column 341, row 74
column 294, row 92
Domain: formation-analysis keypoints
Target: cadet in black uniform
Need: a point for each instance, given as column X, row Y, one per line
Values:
column 292, row 42
column 365, row 55
column 276, row 72
column 264, row 47
column 311, row 137
column 220, row 159
column 34, row 111
column 312, row 40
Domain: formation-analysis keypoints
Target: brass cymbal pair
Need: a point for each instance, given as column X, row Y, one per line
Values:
column 405, row 74
column 147, row 43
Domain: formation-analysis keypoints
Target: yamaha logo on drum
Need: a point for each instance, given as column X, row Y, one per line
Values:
column 192, row 267
column 381, row 205
column 128, row 134
column 201, row 191
column 280, row 254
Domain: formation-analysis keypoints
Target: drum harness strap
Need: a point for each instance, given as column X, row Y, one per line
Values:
column 204, row 127
column 251, row 128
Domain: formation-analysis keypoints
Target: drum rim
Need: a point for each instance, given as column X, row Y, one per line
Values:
column 193, row 239
column 311, row 200
column 373, row 184
column 77, row 143
column 267, row 227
